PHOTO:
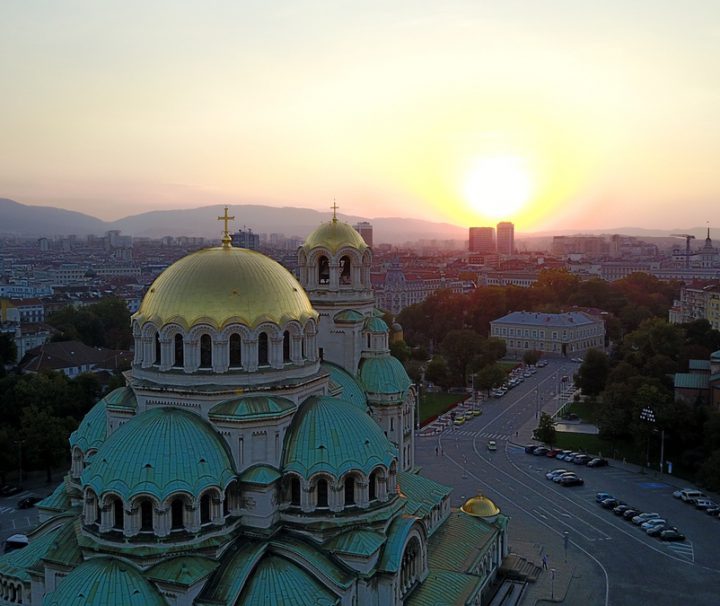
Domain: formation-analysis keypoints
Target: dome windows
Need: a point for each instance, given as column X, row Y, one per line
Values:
column 178, row 353
column 205, row 352
column 321, row 489
column 177, row 514
column 235, row 351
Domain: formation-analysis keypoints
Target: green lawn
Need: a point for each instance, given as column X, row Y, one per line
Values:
column 587, row 411
column 436, row 403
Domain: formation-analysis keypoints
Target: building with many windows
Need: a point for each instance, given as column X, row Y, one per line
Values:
column 481, row 240
column 565, row 334
column 505, row 238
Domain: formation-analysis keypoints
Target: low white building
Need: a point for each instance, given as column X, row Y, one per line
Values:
column 570, row 333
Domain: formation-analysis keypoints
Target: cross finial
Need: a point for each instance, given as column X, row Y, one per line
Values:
column 226, row 240
column 334, row 209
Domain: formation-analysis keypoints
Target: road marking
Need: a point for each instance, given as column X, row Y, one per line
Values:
column 684, row 550
column 6, row 509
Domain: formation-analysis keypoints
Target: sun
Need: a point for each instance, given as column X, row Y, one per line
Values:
column 498, row 186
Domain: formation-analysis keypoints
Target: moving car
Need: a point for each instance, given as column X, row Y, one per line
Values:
column 492, row 445
column 597, row 462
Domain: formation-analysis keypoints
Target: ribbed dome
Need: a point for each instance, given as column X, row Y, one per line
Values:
column 334, row 436
column 103, row 581
column 480, row 507
column 333, row 236
column 160, row 452
column 223, row 284
column 385, row 375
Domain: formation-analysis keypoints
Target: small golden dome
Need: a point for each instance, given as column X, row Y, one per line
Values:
column 333, row 235
column 222, row 285
column 480, row 507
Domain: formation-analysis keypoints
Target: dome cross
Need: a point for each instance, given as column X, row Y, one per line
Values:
column 226, row 240
column 334, row 208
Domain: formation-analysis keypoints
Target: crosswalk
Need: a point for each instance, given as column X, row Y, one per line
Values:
column 483, row 434
column 683, row 550
column 6, row 509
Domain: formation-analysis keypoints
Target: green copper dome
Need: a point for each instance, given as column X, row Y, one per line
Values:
column 104, row 581
column 160, row 452
column 384, row 376
column 92, row 431
column 715, row 356
column 222, row 285
column 334, row 436
column 333, row 236
column 374, row 324
column 251, row 408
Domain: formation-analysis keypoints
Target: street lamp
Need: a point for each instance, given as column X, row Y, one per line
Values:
column 552, row 583
column 647, row 415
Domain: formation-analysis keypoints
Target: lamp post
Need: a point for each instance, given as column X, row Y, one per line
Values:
column 552, row 584
column 648, row 415
column 536, row 403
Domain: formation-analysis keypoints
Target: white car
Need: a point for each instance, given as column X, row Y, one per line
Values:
column 551, row 475
column 652, row 523
column 644, row 517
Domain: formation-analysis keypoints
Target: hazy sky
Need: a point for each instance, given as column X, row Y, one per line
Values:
column 580, row 114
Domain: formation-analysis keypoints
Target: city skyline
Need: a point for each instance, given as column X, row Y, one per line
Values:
column 573, row 118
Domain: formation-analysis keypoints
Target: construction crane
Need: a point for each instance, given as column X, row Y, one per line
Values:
column 687, row 237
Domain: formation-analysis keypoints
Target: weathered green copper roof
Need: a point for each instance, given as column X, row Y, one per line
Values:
column 122, row 398
column 252, row 407
column 278, row 581
column 183, row 570
column 715, row 377
column 715, row 356
column 57, row 501
column 397, row 535
column 422, row 493
column 300, row 551
column 458, row 543
column 333, row 236
column 375, row 324
column 103, row 581
column 345, row 383
column 334, row 436
column 236, row 567
column 65, row 549
column 160, row 452
column 688, row 380
column 17, row 563
column 356, row 542
column 384, row 375
column 348, row 316
column 92, row 431
column 699, row 365
column 446, row 587
column 223, row 285
column 260, row 474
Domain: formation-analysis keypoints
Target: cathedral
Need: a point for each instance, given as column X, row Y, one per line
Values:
column 260, row 453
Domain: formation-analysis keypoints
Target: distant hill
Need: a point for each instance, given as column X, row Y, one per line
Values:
column 20, row 219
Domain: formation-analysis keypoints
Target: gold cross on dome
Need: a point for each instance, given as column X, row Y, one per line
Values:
column 226, row 234
column 334, row 209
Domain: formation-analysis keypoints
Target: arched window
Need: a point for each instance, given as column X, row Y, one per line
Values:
column 323, row 270
column 286, row 347
column 118, row 514
column 235, row 351
column 295, row 492
column 157, row 348
column 322, row 494
column 176, row 514
column 368, row 345
column 205, row 351
column 372, row 486
column 349, row 490
column 205, row 509
column 146, row 516
column 345, row 275
column 179, row 354
column 263, row 349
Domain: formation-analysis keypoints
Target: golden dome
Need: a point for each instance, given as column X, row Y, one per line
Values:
column 222, row 285
column 333, row 235
column 480, row 507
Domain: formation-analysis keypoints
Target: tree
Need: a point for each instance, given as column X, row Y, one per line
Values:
column 414, row 370
column 400, row 350
column 8, row 351
column 459, row 347
column 45, row 438
column 488, row 377
column 593, row 372
column 545, row 431
column 437, row 372
column 532, row 357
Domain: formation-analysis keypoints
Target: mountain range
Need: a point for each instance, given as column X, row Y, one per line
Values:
column 24, row 220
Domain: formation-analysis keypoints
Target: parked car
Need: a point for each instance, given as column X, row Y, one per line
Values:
column 644, row 517
column 704, row 504
column 569, row 456
column 555, row 472
column 678, row 493
column 28, row 502
column 601, row 496
column 569, row 474
column 621, row 509
column 713, row 511
column 530, row 448
column 630, row 513
column 582, row 459
column 671, row 535
column 541, row 451
column 652, row 523
column 690, row 495
column 562, row 454
column 571, row 481
column 656, row 530
column 597, row 462
column 459, row 420
column 609, row 503
column 553, row 452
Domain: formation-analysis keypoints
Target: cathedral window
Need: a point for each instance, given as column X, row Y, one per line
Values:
column 322, row 494
column 157, row 349
column 146, row 516
column 205, row 351
column 323, row 270
column 295, row 492
column 205, row 509
column 118, row 515
column 176, row 514
column 286, row 347
column 235, row 351
column 179, row 354
column 345, row 276
column 263, row 359
column 349, row 491
column 372, row 486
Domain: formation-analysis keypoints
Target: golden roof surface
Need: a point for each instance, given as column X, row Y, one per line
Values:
column 333, row 235
column 222, row 285
column 480, row 507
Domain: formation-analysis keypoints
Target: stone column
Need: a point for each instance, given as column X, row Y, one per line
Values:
column 191, row 354
column 220, row 356
column 334, row 267
column 161, row 520
column 275, row 357
column 106, row 518
column 296, row 349
column 166, row 353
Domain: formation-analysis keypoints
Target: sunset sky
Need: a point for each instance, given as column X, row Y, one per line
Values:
column 553, row 114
